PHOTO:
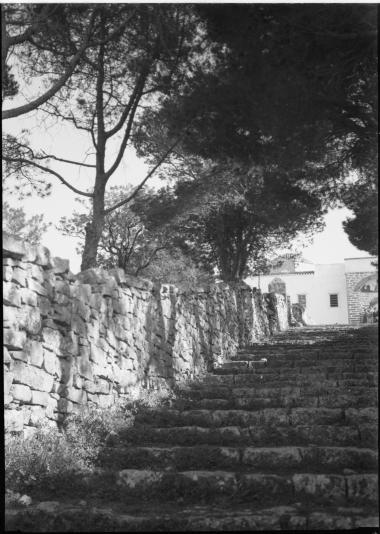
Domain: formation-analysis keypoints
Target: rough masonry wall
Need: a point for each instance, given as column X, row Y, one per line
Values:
column 357, row 301
column 100, row 336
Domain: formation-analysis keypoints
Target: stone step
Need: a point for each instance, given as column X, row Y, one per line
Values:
column 74, row 517
column 283, row 392
column 248, row 459
column 257, row 435
column 288, row 379
column 334, row 399
column 309, row 365
column 167, row 417
column 259, row 489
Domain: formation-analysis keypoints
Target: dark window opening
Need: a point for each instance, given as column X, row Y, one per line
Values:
column 333, row 300
column 302, row 300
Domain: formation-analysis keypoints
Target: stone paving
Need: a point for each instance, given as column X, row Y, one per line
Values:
column 283, row 436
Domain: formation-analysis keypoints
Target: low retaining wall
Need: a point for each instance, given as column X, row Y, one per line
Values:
column 99, row 336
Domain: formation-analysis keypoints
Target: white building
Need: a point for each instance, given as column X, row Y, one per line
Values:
column 337, row 293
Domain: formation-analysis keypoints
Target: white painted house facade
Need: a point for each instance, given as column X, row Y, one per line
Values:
column 337, row 293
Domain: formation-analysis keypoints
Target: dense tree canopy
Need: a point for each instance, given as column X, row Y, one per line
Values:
column 232, row 216
column 294, row 85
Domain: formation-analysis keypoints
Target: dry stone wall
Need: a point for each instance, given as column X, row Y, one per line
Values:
column 100, row 336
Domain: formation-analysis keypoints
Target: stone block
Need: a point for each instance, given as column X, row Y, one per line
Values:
column 6, row 356
column 35, row 352
column 31, row 376
column 51, row 363
column 11, row 316
column 7, row 273
column 19, row 276
column 28, row 297
column 40, row 397
column 38, row 288
column 43, row 257
column 13, row 248
column 21, row 393
column 61, row 300
column 36, row 415
column 320, row 487
column 64, row 405
column 60, row 265
column 97, row 355
column 93, row 398
column 11, row 295
column 52, row 340
column 19, row 355
column 362, row 488
column 78, row 326
column 82, row 292
column 101, row 386
column 8, row 399
column 8, row 379
column 14, row 339
column 13, row 420
column 67, row 370
column 36, row 272
column 62, row 315
column 82, row 309
column 85, row 367
column 33, row 322
column 72, row 394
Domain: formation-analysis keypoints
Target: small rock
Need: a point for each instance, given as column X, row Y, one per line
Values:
column 82, row 503
column 48, row 506
column 25, row 500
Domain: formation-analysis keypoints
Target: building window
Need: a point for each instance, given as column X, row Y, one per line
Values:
column 302, row 300
column 333, row 300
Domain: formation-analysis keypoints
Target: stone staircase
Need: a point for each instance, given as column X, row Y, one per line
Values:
column 283, row 436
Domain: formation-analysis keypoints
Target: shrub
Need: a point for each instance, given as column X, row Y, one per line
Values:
column 51, row 454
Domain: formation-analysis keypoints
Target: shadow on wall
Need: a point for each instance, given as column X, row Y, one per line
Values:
column 160, row 317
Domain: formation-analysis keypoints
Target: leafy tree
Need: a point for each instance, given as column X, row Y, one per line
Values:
column 16, row 223
column 127, row 243
column 294, row 86
column 37, row 35
column 141, row 53
column 233, row 217
column 362, row 228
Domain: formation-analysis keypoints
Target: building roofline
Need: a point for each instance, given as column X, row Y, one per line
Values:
column 283, row 273
column 362, row 258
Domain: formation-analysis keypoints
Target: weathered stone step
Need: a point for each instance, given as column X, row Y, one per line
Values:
column 255, row 488
column 289, row 379
column 277, row 365
column 242, row 418
column 257, row 459
column 74, row 517
column 333, row 399
column 285, row 393
column 167, row 417
column 258, row 435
